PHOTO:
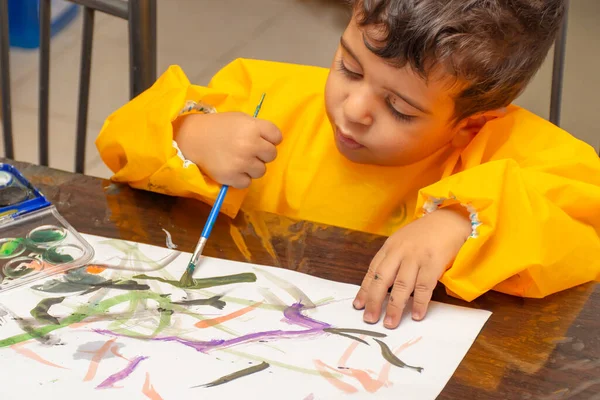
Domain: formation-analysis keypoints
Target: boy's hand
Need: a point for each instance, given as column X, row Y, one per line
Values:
column 232, row 148
column 413, row 258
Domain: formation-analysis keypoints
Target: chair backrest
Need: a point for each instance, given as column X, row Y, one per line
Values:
column 558, row 69
column 141, row 16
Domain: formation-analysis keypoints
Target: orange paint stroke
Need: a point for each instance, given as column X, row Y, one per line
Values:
column 149, row 391
column 94, row 269
column 86, row 322
column 207, row 323
column 115, row 351
column 362, row 376
column 367, row 382
column 348, row 352
column 343, row 386
column 32, row 355
column 96, row 360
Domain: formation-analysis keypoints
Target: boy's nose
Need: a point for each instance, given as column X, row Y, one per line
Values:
column 357, row 108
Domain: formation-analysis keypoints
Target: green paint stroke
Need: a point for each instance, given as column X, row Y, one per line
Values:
column 118, row 323
column 40, row 312
column 236, row 375
column 245, row 302
column 78, row 280
column 245, row 277
column 290, row 288
column 83, row 312
column 132, row 252
column 324, row 301
column 389, row 355
column 165, row 321
column 34, row 334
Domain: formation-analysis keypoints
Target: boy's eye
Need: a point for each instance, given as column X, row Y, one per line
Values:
column 397, row 114
column 356, row 76
column 350, row 74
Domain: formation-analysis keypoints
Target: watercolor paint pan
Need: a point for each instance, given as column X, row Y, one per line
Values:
column 35, row 240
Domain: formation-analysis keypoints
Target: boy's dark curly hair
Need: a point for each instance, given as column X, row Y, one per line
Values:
column 492, row 47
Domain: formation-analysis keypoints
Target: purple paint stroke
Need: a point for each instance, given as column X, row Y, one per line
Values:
column 119, row 376
column 292, row 314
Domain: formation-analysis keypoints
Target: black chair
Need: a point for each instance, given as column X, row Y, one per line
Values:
column 558, row 69
column 141, row 15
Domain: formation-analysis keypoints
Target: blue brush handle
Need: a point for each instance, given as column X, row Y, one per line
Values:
column 214, row 212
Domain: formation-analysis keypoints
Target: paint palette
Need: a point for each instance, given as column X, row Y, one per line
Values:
column 35, row 240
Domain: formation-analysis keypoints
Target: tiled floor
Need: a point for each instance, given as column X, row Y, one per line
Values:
column 193, row 34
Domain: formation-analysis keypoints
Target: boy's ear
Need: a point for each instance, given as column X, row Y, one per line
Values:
column 470, row 126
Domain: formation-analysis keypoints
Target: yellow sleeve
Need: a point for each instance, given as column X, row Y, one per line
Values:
column 536, row 218
column 137, row 144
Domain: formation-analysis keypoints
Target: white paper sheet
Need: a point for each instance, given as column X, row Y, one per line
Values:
column 135, row 344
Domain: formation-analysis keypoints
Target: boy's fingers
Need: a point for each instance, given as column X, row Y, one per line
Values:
column 361, row 297
column 270, row 132
column 424, row 286
column 242, row 181
column 378, row 289
column 403, row 287
column 266, row 152
column 256, row 168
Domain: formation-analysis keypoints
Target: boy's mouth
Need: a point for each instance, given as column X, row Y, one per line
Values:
column 346, row 140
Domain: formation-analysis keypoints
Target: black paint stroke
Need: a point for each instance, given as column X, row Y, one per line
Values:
column 214, row 301
column 346, row 333
column 34, row 333
column 236, row 375
column 387, row 353
column 40, row 312
column 359, row 332
column 123, row 285
column 27, row 327
column 336, row 332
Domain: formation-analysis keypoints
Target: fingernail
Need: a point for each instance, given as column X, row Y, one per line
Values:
column 370, row 318
column 388, row 322
column 356, row 304
column 417, row 316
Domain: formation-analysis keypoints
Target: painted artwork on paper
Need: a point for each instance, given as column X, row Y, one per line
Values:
column 128, row 325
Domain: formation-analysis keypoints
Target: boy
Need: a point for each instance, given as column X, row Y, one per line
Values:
column 410, row 135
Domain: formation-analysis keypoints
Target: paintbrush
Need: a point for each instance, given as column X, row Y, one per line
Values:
column 186, row 278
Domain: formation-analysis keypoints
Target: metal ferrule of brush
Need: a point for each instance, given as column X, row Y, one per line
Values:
column 198, row 251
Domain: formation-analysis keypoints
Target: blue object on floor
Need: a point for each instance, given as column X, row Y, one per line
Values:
column 24, row 21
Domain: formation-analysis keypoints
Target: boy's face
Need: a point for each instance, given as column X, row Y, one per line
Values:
column 382, row 114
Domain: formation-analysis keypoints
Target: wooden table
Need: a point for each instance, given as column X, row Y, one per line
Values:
column 529, row 349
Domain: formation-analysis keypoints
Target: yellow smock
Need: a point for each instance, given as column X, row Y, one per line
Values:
column 533, row 190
